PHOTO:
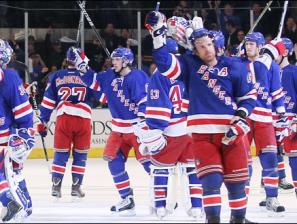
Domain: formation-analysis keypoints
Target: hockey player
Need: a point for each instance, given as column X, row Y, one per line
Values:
column 164, row 137
column 220, row 99
column 70, row 96
column 282, row 184
column 269, row 91
column 16, row 140
column 289, row 83
column 125, row 89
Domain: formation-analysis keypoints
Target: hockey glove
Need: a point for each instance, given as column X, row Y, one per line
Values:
column 156, row 24
column 281, row 126
column 239, row 128
column 42, row 129
column 177, row 30
column 21, row 143
column 151, row 141
column 275, row 48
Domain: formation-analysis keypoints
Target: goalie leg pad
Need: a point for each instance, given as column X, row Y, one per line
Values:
column 164, row 187
column 191, row 186
column 78, row 166
column 120, row 175
column 269, row 173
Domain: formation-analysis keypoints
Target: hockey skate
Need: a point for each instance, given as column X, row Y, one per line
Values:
column 126, row 207
column 161, row 212
column 239, row 219
column 212, row 219
column 196, row 213
column 76, row 191
column 13, row 211
column 56, row 188
column 284, row 186
column 273, row 206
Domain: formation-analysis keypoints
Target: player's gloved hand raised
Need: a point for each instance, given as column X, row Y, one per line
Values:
column 42, row 129
column 239, row 127
column 155, row 22
column 274, row 48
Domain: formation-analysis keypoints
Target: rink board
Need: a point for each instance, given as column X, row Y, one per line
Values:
column 101, row 128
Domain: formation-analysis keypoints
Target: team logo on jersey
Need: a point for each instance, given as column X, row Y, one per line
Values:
column 216, row 89
column 202, row 69
column 22, row 90
column 2, row 121
column 205, row 76
column 212, row 83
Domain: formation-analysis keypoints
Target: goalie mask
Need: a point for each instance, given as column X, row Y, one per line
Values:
column 5, row 53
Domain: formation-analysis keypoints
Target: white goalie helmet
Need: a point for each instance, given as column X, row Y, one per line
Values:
column 5, row 53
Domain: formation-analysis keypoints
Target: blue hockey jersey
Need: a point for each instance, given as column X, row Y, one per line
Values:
column 67, row 93
column 15, row 110
column 289, row 83
column 269, row 89
column 164, row 105
column 215, row 93
column 126, row 95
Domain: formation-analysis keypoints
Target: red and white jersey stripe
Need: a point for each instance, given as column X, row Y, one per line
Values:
column 79, row 109
column 176, row 127
column 123, row 126
column 4, row 135
column 158, row 113
column 261, row 114
column 174, row 71
column 48, row 103
column 22, row 110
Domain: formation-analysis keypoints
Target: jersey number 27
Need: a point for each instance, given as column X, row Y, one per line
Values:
column 66, row 92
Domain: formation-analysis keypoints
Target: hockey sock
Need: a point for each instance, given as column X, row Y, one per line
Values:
column 195, row 188
column 293, row 165
column 237, row 199
column 59, row 164
column 78, row 166
column 281, row 166
column 160, row 186
column 211, row 184
column 269, row 173
column 119, row 174
column 146, row 165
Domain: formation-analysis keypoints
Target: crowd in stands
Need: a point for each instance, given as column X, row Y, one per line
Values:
column 48, row 55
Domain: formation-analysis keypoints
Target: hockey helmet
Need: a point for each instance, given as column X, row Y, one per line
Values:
column 261, row 38
column 253, row 37
column 218, row 38
column 201, row 32
column 73, row 53
column 125, row 53
column 288, row 44
column 5, row 53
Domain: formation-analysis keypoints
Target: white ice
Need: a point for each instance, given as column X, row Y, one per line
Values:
column 101, row 194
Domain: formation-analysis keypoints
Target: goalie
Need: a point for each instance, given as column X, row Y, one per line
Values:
column 164, row 137
column 16, row 140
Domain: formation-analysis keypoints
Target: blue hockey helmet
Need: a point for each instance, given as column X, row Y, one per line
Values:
column 172, row 45
column 253, row 37
column 201, row 32
column 125, row 53
column 218, row 38
column 261, row 40
column 73, row 53
column 288, row 44
column 5, row 53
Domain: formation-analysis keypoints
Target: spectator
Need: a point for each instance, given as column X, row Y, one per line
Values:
column 56, row 56
column 110, row 37
column 20, row 67
column 96, row 54
column 240, row 36
column 290, row 30
column 231, row 35
column 126, row 40
column 228, row 15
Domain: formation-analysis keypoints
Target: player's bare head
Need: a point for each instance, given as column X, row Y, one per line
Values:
column 203, row 45
column 122, row 58
column 5, row 53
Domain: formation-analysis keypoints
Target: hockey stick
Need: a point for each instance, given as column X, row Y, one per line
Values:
column 157, row 6
column 35, row 108
column 281, row 25
column 79, row 26
column 101, row 41
column 254, row 25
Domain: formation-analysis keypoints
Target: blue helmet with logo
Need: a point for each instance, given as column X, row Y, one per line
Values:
column 288, row 44
column 253, row 37
column 5, row 53
column 125, row 53
column 261, row 40
column 172, row 45
column 218, row 38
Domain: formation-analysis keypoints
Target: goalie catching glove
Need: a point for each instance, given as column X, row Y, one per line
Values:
column 239, row 127
column 151, row 141
column 20, row 143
